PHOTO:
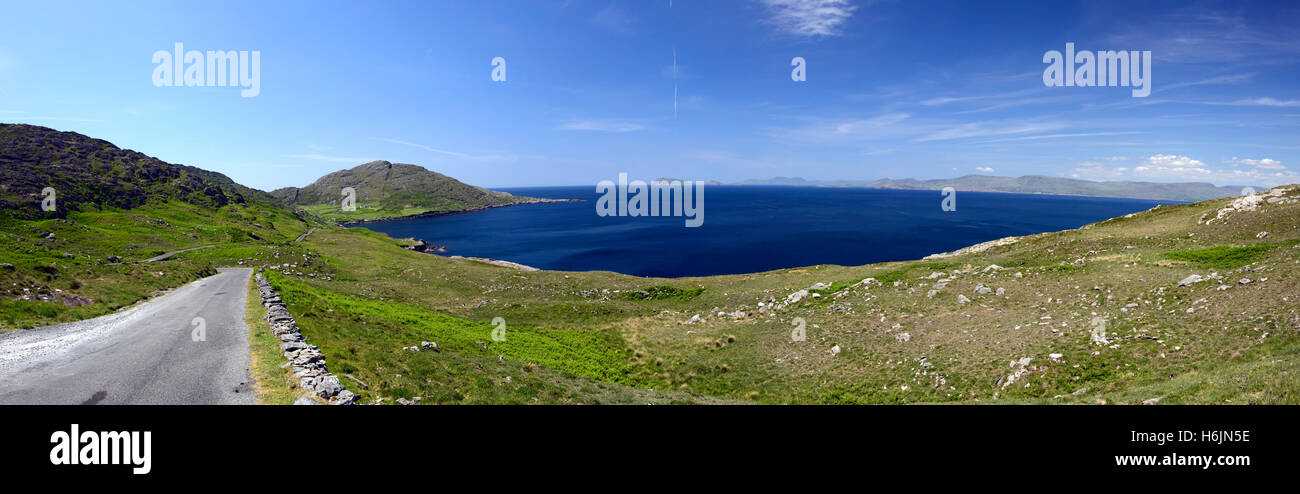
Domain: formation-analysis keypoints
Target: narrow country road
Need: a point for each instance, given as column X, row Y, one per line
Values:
column 143, row 355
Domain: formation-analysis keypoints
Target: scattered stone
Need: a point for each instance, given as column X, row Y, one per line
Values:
column 961, row 299
column 1195, row 278
column 305, row 401
column 1243, row 281
column 429, row 345
column 696, row 319
column 1261, row 234
column 835, row 350
column 903, row 337
column 1000, row 292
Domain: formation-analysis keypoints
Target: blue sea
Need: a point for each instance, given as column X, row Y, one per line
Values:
column 751, row 228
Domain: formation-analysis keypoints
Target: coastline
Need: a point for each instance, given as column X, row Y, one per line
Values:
column 433, row 214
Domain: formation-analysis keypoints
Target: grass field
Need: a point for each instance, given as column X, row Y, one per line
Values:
column 1084, row 316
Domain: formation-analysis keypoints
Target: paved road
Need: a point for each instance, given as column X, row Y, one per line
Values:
column 142, row 355
column 174, row 252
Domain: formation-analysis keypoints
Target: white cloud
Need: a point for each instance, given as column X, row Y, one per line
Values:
column 1266, row 163
column 602, row 126
column 811, row 18
column 1116, row 158
column 1172, row 166
column 1176, row 168
column 983, row 169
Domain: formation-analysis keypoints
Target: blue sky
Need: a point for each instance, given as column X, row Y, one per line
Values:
column 894, row 89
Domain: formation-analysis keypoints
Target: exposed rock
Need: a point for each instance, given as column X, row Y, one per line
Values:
column 796, row 297
column 305, row 401
column 1196, row 278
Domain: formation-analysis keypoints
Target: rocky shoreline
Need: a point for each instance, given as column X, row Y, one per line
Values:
column 433, row 214
column 306, row 361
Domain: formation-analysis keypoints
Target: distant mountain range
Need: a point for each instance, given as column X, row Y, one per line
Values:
column 1034, row 184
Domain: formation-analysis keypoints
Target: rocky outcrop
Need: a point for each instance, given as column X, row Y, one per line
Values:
column 305, row 360
column 497, row 262
column 1253, row 202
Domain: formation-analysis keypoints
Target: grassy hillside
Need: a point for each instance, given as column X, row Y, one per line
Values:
column 1194, row 303
column 116, row 207
column 1117, row 280
column 385, row 190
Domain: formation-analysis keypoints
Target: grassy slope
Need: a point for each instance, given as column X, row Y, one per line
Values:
column 580, row 337
column 91, row 236
column 586, row 325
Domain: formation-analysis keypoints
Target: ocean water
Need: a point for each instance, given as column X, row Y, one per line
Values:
column 750, row 229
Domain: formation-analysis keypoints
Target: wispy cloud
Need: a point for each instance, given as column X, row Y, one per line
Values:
column 602, row 125
column 1264, row 102
column 984, row 129
column 880, row 127
column 809, row 18
column 1223, row 79
column 332, row 159
column 614, row 19
column 1062, row 136
column 456, row 154
column 984, row 169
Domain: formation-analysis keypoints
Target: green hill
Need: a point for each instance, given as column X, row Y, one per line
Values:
column 92, row 172
column 385, row 190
